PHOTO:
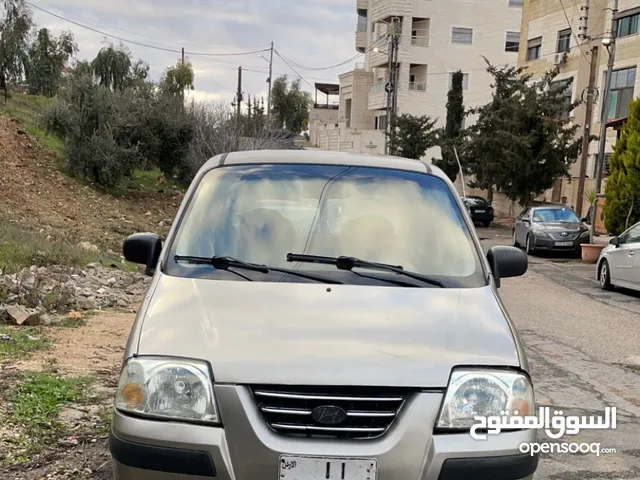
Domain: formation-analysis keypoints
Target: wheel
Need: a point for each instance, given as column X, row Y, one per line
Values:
column 605, row 276
column 514, row 242
column 486, row 224
column 529, row 246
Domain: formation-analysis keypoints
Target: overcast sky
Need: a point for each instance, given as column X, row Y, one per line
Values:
column 311, row 33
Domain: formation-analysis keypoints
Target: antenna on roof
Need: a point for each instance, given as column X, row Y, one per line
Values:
column 460, row 167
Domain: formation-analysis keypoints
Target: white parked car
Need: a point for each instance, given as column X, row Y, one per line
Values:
column 619, row 262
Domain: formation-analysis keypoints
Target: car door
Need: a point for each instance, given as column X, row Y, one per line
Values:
column 624, row 258
column 522, row 226
column 633, row 255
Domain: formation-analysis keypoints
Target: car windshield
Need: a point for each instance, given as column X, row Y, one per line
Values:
column 476, row 202
column 555, row 215
column 259, row 213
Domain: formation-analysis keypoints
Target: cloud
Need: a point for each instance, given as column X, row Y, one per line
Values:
column 313, row 33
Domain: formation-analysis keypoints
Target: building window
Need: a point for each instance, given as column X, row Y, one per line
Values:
column 380, row 122
column 567, row 86
column 512, row 42
column 515, row 3
column 564, row 41
column 621, row 93
column 462, row 35
column 465, row 81
column 534, row 46
column 628, row 25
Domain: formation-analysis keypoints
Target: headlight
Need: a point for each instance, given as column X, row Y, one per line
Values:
column 484, row 393
column 540, row 233
column 167, row 388
column 584, row 234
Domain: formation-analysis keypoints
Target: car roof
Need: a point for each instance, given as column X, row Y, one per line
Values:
column 552, row 206
column 322, row 157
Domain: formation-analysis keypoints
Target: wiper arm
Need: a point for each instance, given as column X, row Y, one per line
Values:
column 225, row 263
column 349, row 263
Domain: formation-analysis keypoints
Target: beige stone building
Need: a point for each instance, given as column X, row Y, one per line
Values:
column 552, row 34
column 437, row 38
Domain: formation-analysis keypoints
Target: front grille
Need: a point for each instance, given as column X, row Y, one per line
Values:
column 289, row 410
column 560, row 237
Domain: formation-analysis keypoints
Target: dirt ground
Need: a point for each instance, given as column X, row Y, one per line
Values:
column 95, row 349
column 36, row 194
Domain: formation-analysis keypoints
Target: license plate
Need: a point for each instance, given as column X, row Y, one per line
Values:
column 322, row 468
column 564, row 244
column 480, row 211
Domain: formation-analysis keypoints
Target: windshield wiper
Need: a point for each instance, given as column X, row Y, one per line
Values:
column 225, row 263
column 349, row 263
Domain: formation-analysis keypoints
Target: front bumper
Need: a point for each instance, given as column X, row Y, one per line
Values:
column 247, row 449
column 558, row 244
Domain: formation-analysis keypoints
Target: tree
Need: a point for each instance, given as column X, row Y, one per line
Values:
column 622, row 191
column 413, row 136
column 451, row 134
column 15, row 30
column 522, row 141
column 112, row 67
column 177, row 79
column 290, row 105
column 47, row 58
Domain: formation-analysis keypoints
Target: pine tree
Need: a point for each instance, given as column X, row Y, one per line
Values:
column 451, row 133
column 622, row 191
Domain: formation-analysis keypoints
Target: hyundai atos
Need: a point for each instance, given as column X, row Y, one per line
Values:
column 316, row 315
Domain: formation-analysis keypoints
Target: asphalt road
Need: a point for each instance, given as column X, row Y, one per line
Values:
column 581, row 343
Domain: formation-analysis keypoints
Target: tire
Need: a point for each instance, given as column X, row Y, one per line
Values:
column 513, row 238
column 604, row 276
column 529, row 248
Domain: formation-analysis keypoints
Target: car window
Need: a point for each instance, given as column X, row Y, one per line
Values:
column 633, row 235
column 526, row 214
column 260, row 213
column 565, row 215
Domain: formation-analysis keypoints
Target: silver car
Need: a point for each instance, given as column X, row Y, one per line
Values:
column 359, row 348
column 619, row 262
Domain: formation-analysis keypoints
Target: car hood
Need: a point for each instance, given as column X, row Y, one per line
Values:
column 562, row 227
column 300, row 333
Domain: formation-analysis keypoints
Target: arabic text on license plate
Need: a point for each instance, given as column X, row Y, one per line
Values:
column 480, row 211
column 321, row 468
column 564, row 244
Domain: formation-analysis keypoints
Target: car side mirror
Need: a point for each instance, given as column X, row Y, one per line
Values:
column 615, row 241
column 144, row 249
column 507, row 262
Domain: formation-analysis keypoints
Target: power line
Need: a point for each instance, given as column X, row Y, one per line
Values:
column 293, row 69
column 572, row 32
column 140, row 44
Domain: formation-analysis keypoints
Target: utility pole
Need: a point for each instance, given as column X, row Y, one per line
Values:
column 391, row 87
column 270, row 83
column 586, row 132
column 603, row 114
column 239, row 100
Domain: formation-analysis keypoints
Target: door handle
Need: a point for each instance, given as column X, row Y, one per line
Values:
column 632, row 253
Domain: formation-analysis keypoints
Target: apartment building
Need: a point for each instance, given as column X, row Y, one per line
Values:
column 551, row 36
column 437, row 38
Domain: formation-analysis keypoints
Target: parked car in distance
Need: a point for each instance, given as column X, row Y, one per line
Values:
column 549, row 227
column 619, row 262
column 363, row 345
column 480, row 210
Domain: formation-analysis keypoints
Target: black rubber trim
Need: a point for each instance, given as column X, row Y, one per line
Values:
column 161, row 459
column 511, row 467
column 223, row 159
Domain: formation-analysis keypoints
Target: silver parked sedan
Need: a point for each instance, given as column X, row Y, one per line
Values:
column 619, row 262
column 358, row 347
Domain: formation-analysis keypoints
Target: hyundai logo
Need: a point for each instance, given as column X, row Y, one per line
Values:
column 564, row 234
column 329, row 415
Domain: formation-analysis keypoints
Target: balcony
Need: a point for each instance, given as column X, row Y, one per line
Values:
column 385, row 9
column 418, row 86
column 420, row 40
column 377, row 96
column 378, row 59
column 361, row 39
column 362, row 4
